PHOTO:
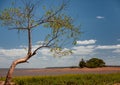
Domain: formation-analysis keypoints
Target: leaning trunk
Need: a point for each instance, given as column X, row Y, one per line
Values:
column 22, row 60
column 11, row 69
column 9, row 74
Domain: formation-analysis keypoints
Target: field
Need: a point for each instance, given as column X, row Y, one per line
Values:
column 81, row 79
column 68, row 76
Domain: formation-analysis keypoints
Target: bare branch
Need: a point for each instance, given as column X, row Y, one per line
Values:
column 18, row 28
column 51, row 40
column 47, row 44
column 47, row 19
column 34, row 52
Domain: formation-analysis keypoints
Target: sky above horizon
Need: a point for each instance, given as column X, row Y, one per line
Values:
column 100, row 22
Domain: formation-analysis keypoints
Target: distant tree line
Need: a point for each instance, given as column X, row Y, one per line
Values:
column 92, row 63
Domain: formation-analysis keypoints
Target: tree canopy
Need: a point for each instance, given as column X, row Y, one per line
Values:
column 24, row 18
column 92, row 63
column 61, row 26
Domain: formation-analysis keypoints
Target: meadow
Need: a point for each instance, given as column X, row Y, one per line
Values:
column 70, row 79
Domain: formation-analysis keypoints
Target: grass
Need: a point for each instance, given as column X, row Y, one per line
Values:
column 80, row 79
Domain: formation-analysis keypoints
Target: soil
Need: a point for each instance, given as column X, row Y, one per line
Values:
column 59, row 71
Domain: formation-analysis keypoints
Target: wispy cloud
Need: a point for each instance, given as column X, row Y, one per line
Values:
column 44, row 58
column 114, row 48
column 86, row 42
column 100, row 17
column 83, row 50
column 13, row 52
column 108, row 47
column 116, row 51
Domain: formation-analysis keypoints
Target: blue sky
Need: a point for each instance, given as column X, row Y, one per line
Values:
column 100, row 22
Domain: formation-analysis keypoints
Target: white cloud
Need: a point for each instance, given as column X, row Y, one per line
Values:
column 45, row 52
column 108, row 47
column 116, row 51
column 8, row 55
column 114, row 48
column 112, row 60
column 100, row 17
column 44, row 58
column 12, row 52
column 83, row 50
column 86, row 42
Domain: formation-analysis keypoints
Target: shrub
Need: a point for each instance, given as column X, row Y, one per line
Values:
column 82, row 63
column 95, row 62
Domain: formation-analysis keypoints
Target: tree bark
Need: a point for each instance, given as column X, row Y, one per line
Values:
column 9, row 74
column 11, row 69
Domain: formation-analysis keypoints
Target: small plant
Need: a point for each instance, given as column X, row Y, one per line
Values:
column 82, row 63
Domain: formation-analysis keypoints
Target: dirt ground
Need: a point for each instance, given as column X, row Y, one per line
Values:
column 59, row 71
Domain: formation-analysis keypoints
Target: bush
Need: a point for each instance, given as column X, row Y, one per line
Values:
column 92, row 63
column 82, row 63
column 95, row 62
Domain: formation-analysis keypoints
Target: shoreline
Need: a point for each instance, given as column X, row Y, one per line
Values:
column 59, row 71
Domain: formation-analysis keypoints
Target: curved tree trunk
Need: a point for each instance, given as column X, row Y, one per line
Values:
column 11, row 69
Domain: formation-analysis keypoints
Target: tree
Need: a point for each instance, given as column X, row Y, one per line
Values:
column 95, row 62
column 82, row 63
column 24, row 19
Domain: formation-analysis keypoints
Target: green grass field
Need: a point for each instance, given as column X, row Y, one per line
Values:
column 80, row 79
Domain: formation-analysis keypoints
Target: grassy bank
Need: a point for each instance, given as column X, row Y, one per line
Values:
column 81, row 79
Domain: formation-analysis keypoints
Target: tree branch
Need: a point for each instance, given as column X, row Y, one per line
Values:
column 19, row 28
column 47, row 45
column 47, row 19
column 34, row 52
